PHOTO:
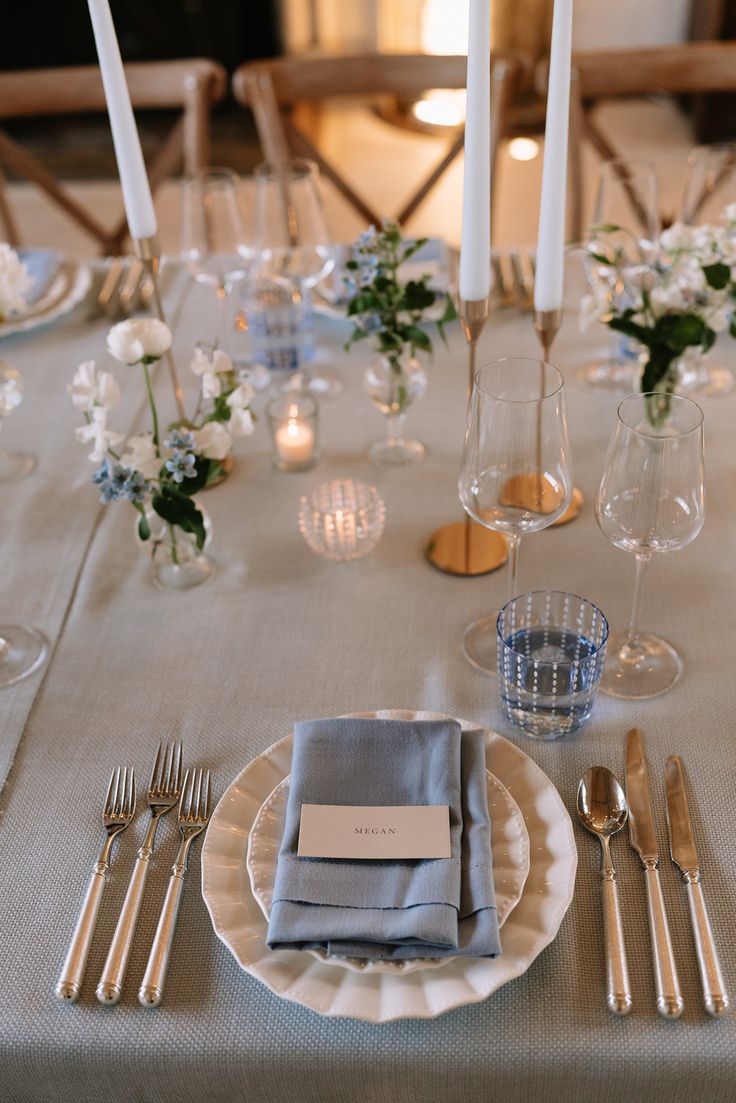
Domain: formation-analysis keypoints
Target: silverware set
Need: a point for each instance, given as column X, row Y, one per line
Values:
column 603, row 810
column 513, row 278
column 168, row 789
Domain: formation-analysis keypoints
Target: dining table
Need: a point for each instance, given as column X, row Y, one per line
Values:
column 281, row 635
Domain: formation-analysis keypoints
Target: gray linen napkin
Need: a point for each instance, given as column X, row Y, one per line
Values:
column 388, row 909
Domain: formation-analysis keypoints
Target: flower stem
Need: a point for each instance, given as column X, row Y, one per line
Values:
column 152, row 404
column 174, row 551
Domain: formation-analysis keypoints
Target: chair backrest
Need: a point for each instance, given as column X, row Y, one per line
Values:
column 686, row 69
column 275, row 91
column 192, row 86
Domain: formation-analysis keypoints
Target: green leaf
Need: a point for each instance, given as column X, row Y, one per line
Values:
column 193, row 486
column 450, row 313
column 144, row 529
column 176, row 509
column 417, row 337
column 718, row 275
column 605, row 228
column 600, row 258
column 709, row 339
column 656, row 368
column 678, row 331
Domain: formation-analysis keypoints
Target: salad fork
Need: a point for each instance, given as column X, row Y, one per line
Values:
column 194, row 814
column 118, row 812
column 163, row 794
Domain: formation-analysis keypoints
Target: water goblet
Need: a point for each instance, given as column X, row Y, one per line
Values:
column 626, row 197
column 293, row 246
column 214, row 240
column 650, row 502
column 13, row 465
column 515, row 476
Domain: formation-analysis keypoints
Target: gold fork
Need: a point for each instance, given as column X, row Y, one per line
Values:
column 117, row 814
column 163, row 794
column 194, row 814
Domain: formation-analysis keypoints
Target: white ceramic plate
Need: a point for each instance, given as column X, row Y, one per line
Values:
column 378, row 998
column 68, row 287
column 509, row 847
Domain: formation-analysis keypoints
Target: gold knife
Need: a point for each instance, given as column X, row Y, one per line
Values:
column 685, row 856
column 644, row 840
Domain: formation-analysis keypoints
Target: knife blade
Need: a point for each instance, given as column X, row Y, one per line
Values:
column 685, row 856
column 643, row 839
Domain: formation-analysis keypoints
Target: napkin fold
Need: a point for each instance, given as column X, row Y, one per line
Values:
column 388, row 909
column 42, row 266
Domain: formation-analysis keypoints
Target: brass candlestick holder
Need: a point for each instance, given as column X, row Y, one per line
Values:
column 149, row 254
column 547, row 325
column 466, row 548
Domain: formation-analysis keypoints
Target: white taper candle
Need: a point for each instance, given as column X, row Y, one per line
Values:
column 131, row 168
column 475, row 242
column 551, row 237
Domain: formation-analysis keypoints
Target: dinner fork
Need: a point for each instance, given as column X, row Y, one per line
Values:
column 163, row 794
column 194, row 814
column 118, row 812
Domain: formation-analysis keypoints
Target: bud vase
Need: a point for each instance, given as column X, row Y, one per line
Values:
column 176, row 561
column 394, row 383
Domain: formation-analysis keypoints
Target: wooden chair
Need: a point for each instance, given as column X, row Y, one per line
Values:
column 192, row 86
column 281, row 93
column 686, row 69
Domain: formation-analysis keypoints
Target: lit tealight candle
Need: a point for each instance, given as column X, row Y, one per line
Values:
column 294, row 440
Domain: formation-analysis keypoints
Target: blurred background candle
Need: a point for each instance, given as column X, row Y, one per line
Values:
column 475, row 244
column 293, row 421
column 551, row 239
column 131, row 167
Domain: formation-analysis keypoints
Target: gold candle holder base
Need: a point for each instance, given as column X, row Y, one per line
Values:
column 149, row 254
column 547, row 325
column 465, row 548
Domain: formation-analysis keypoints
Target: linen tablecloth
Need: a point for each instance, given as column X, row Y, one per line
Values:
column 281, row 635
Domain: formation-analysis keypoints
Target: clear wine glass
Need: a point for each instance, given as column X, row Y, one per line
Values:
column 650, row 501
column 13, row 465
column 22, row 650
column 515, row 475
column 710, row 186
column 626, row 196
column 213, row 237
column 293, row 246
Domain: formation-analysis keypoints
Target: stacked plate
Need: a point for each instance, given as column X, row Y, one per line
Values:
column 59, row 284
column 534, row 860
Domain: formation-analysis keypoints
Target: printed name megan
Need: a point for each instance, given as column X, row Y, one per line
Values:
column 375, row 830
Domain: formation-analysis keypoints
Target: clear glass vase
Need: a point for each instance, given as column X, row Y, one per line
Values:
column 176, row 561
column 698, row 374
column 394, row 383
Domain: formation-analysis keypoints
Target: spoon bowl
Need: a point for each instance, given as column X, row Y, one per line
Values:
column 601, row 802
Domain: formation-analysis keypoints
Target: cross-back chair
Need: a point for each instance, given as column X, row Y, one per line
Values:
column 193, row 86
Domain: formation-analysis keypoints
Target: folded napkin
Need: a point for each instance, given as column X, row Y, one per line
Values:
column 388, row 909
column 42, row 266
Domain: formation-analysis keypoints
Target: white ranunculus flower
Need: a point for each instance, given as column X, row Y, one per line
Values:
column 140, row 454
column 96, row 433
column 90, row 387
column 14, row 282
column 137, row 339
column 213, row 441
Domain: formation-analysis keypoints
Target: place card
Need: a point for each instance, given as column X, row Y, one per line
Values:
column 374, row 832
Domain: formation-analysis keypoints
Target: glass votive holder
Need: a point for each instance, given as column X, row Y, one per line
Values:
column 294, row 423
column 342, row 519
column 550, row 652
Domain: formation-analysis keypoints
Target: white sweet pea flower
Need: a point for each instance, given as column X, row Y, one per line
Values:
column 137, row 339
column 678, row 236
column 241, row 423
column 15, row 281
column 90, row 387
column 96, row 433
column 213, row 441
column 210, row 369
column 729, row 214
column 140, row 454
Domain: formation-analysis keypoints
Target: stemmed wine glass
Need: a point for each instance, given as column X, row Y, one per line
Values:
column 293, row 247
column 650, row 501
column 627, row 196
column 22, row 650
column 515, row 475
column 13, row 465
column 710, row 186
column 214, row 240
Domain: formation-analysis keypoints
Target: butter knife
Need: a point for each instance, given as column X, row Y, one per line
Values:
column 685, row 856
column 644, row 841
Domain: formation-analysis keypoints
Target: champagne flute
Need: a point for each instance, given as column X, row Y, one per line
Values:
column 515, row 475
column 650, row 501
column 627, row 196
column 710, row 186
column 13, row 465
column 294, row 250
column 214, row 241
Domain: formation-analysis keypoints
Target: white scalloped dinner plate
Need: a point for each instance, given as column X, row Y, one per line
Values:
column 381, row 997
column 67, row 288
column 509, row 849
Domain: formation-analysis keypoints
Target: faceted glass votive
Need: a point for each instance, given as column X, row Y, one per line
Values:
column 294, row 423
column 551, row 647
column 342, row 519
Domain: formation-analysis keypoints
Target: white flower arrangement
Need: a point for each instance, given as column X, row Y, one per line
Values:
column 15, row 281
column 150, row 470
